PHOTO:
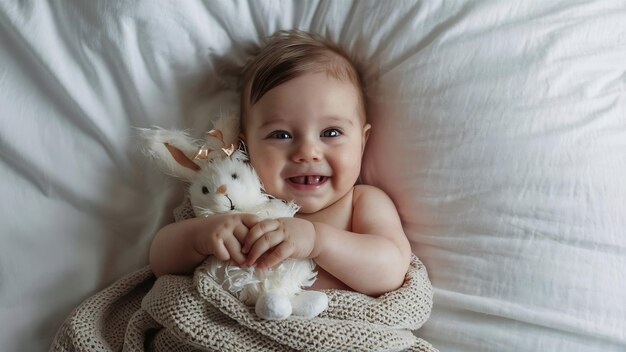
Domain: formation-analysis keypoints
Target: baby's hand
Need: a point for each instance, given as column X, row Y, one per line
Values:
column 274, row 240
column 222, row 235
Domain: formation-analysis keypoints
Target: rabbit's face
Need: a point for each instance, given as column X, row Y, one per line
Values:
column 226, row 185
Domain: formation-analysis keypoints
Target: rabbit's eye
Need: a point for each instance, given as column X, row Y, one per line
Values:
column 234, row 176
column 205, row 190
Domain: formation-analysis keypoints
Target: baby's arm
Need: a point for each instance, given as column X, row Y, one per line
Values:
column 372, row 258
column 180, row 247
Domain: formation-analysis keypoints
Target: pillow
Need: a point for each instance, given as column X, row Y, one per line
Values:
column 498, row 131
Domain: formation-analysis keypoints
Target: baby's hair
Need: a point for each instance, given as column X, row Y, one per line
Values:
column 290, row 54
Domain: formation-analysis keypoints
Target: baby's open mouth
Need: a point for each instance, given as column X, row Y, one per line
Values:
column 308, row 180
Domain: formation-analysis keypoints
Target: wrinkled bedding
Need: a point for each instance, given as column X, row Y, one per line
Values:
column 499, row 130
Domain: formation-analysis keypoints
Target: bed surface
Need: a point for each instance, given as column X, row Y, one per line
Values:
column 499, row 132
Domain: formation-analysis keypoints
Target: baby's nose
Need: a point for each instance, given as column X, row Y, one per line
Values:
column 307, row 152
column 222, row 189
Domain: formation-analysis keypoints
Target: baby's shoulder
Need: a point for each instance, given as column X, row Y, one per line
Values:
column 366, row 193
column 372, row 209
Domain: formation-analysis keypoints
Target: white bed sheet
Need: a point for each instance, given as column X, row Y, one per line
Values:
column 499, row 131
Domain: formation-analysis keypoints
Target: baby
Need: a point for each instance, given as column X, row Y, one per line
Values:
column 304, row 122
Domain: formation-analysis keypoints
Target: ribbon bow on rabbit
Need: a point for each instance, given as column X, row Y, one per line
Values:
column 221, row 180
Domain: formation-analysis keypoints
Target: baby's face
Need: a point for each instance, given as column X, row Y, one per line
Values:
column 306, row 139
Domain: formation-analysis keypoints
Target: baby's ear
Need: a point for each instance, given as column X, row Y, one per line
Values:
column 172, row 150
column 367, row 128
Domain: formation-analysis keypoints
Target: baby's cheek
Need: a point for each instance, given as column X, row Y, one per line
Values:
column 352, row 165
column 267, row 174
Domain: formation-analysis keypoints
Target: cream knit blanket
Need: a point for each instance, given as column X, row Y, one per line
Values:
column 181, row 313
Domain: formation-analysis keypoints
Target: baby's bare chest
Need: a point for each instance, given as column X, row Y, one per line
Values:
column 338, row 214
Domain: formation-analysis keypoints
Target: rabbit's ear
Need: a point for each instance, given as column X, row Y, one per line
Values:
column 181, row 158
column 172, row 150
column 228, row 125
column 239, row 155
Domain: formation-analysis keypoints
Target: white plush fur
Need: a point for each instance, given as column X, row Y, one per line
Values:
column 153, row 143
column 229, row 184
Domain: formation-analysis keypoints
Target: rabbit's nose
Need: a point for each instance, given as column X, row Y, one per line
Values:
column 222, row 189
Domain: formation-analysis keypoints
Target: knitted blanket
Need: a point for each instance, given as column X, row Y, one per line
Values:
column 183, row 313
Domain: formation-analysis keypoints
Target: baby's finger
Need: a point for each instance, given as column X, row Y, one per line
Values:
column 276, row 255
column 234, row 250
column 240, row 231
column 220, row 252
column 262, row 245
column 249, row 220
column 262, row 257
column 257, row 231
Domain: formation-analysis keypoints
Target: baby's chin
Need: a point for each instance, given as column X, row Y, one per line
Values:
column 307, row 207
column 308, row 204
column 307, row 210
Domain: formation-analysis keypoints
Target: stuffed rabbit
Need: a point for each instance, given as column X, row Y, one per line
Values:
column 220, row 181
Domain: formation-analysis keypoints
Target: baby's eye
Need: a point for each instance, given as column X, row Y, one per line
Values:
column 331, row 132
column 205, row 190
column 279, row 135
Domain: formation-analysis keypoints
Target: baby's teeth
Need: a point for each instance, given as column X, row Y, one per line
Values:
column 307, row 180
column 313, row 179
